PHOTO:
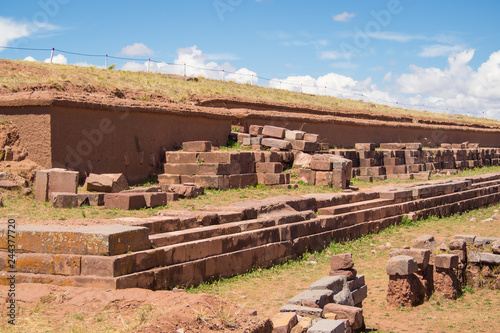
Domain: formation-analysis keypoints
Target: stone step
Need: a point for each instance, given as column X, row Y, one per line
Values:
column 360, row 205
column 182, row 236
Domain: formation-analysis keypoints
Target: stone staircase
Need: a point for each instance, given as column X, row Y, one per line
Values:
column 181, row 248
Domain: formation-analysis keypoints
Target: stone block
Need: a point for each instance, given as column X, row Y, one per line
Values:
column 42, row 185
column 167, row 179
column 425, row 242
column 305, row 146
column 304, row 311
column 485, row 240
column 359, row 295
column 446, row 261
column 283, row 322
column 321, row 165
column 341, row 262
column 61, row 180
column 318, row 297
column 352, row 313
column 327, row 326
column 126, row 201
column 495, row 247
column 483, row 258
column 364, row 146
column 197, row 146
column 308, row 176
column 294, row 135
column 469, row 239
column 217, row 181
column 421, row 256
column 276, row 143
column 350, row 274
column 90, row 199
column 401, row 265
column 359, row 281
column 109, row 183
column 458, row 244
column 273, row 132
column 243, row 180
column 255, row 130
column 155, row 199
column 333, row 283
column 268, row 167
column 180, row 157
column 213, row 169
column 104, row 240
column 185, row 190
column 63, row 200
column 273, row 178
column 310, row 137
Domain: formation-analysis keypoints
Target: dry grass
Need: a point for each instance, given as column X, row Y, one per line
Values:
column 180, row 90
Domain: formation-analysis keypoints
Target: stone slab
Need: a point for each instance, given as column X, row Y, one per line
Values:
column 318, row 297
column 421, row 256
column 197, row 146
column 333, row 283
column 303, row 311
column 401, row 265
column 276, row 143
column 446, row 261
column 327, row 326
column 63, row 200
column 91, row 199
column 283, row 322
column 126, row 201
column 352, row 313
column 273, row 132
column 92, row 240
column 483, row 258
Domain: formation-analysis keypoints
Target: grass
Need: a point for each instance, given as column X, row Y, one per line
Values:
column 474, row 311
column 181, row 91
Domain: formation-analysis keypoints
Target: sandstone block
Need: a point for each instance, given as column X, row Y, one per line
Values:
column 255, row 130
column 273, row 178
column 273, row 132
column 364, row 146
column 294, row 135
column 333, row 283
column 308, row 176
column 359, row 295
column 42, row 185
column 276, row 143
column 305, row 146
column 302, row 160
column 185, row 190
column 495, row 247
column 401, row 265
column 283, row 322
column 63, row 200
column 310, row 137
column 425, row 242
column 155, row 199
column 61, row 180
column 318, row 297
column 243, row 180
column 302, row 310
column 458, row 244
column 125, row 201
column 469, row 239
column 268, row 167
column 90, row 199
column 167, row 179
column 321, row 165
column 109, row 183
column 324, row 178
column 327, row 326
column 421, row 256
column 446, row 261
column 180, row 157
column 197, row 146
column 341, row 261
column 352, row 313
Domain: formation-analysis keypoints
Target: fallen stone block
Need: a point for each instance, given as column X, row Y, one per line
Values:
column 364, row 146
column 273, row 132
column 333, row 283
column 327, row 326
column 469, row 239
column 341, row 261
column 273, row 178
column 243, row 180
column 90, row 199
column 283, row 322
column 54, row 180
column 63, row 200
column 425, row 242
column 305, row 146
column 421, row 256
column 197, row 146
column 302, row 160
column 276, row 143
column 483, row 258
column 401, row 265
column 485, row 240
column 185, row 190
column 321, row 164
column 310, row 137
column 255, row 130
column 318, row 297
column 294, row 135
column 167, row 179
column 308, row 176
column 359, row 295
column 350, row 274
column 126, row 201
column 9, row 185
column 359, row 281
column 352, row 313
column 109, row 183
column 42, row 185
column 302, row 310
column 155, row 199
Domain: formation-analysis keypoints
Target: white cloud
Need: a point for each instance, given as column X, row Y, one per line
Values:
column 387, row 77
column 344, row 17
column 136, row 49
column 333, row 55
column 58, row 59
column 439, row 50
column 395, row 36
column 12, row 30
column 29, row 58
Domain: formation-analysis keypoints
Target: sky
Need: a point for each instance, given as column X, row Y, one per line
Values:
column 440, row 56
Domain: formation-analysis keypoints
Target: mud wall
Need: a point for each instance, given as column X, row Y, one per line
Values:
column 34, row 127
column 130, row 142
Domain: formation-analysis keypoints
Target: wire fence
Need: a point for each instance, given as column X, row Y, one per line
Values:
column 252, row 79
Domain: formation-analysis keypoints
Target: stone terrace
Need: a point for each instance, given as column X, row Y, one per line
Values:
column 180, row 248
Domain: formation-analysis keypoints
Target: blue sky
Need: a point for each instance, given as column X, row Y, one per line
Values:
column 441, row 56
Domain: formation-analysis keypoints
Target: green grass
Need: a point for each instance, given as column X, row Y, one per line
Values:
column 182, row 91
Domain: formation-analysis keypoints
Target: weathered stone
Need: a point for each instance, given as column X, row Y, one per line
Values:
column 327, row 326
column 167, row 179
column 495, row 247
column 302, row 160
column 42, row 185
column 305, row 146
column 401, row 265
column 469, row 239
column 333, row 283
column 63, row 200
column 90, row 199
column 9, row 185
column 405, row 290
column 341, row 261
column 446, row 283
column 125, row 201
column 269, row 167
column 318, row 297
column 485, row 240
column 273, row 132
column 483, row 258
column 425, row 242
column 359, row 295
column 255, row 130
column 310, row 137
column 294, row 135
column 185, row 190
column 457, row 244
column 354, row 314
column 421, row 256
column 446, row 261
column 350, row 274
column 302, row 310
column 283, row 322
column 155, row 199
column 308, row 176
column 276, row 143
column 364, row 146
column 197, row 146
